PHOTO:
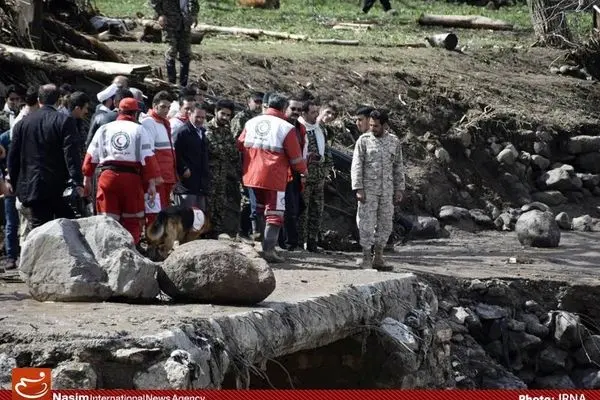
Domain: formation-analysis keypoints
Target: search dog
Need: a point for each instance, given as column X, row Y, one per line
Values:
column 175, row 224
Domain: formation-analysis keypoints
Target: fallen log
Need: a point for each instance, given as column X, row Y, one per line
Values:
column 341, row 42
column 464, row 21
column 85, row 42
column 60, row 63
column 232, row 30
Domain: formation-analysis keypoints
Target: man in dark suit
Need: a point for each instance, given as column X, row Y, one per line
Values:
column 191, row 152
column 44, row 155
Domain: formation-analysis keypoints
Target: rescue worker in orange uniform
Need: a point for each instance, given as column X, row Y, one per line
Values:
column 270, row 147
column 122, row 150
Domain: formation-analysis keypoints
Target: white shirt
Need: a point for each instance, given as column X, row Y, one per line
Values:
column 316, row 130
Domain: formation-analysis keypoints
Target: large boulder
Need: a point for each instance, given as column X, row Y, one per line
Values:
column 583, row 144
column 217, row 272
column 89, row 259
column 538, row 229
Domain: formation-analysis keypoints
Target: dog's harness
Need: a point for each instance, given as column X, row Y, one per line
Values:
column 198, row 219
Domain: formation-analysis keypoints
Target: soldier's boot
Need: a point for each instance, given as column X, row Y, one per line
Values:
column 366, row 262
column 311, row 245
column 184, row 74
column 378, row 262
column 171, row 71
column 269, row 242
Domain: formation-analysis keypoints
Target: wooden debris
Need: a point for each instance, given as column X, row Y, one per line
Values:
column 465, row 21
column 60, row 63
column 340, row 42
column 83, row 42
column 352, row 26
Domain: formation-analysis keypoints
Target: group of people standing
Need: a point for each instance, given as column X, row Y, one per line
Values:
column 135, row 162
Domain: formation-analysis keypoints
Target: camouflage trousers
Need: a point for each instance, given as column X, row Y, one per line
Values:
column 178, row 43
column 216, row 204
column 309, row 224
column 375, row 220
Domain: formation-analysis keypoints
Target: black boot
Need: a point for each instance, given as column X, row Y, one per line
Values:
column 171, row 72
column 311, row 245
column 184, row 73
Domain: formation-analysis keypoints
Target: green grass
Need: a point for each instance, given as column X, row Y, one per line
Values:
column 314, row 18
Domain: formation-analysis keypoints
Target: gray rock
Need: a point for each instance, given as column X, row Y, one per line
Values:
column 589, row 353
column 563, row 220
column 504, row 222
column 460, row 314
column 543, row 149
column 589, row 162
column 549, row 197
column 540, row 163
column 452, row 213
column 507, row 157
column 522, row 341
column 88, row 259
column 442, row 155
column 554, row 382
column 135, row 355
column 481, row 218
column 7, row 364
column 217, row 272
column 400, row 333
column 477, row 284
column 525, row 157
column 517, row 326
column 590, row 181
column 536, row 205
column 565, row 328
column 552, row 359
column 443, row 331
column 496, row 148
column 488, row 311
column 513, row 149
column 582, row 224
column 427, row 228
column 538, row 229
column 587, row 378
column 177, row 372
column 534, row 327
column 562, row 178
column 583, row 144
column 74, row 375
column 596, row 191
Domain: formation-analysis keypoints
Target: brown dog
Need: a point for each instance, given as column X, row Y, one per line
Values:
column 175, row 223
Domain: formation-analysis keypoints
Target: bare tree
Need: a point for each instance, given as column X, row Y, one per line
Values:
column 550, row 22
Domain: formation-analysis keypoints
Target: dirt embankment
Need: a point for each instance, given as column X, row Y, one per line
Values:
column 438, row 99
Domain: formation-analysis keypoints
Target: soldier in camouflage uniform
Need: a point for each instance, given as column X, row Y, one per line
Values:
column 378, row 178
column 177, row 18
column 255, row 101
column 319, row 161
column 223, row 158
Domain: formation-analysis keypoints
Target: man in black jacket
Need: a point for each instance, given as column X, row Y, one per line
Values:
column 191, row 152
column 44, row 154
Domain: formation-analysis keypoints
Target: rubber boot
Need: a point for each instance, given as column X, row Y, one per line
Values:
column 172, row 72
column 269, row 242
column 184, row 73
column 366, row 261
column 378, row 262
column 311, row 245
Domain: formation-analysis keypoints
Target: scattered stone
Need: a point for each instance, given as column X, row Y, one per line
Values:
column 566, row 329
column 534, row 327
column 522, row 340
column 589, row 353
column 590, row 181
column 459, row 314
column 562, row 178
column 400, row 332
column 177, row 372
column 538, row 229
column 586, row 193
column 543, row 149
column 458, row 338
column 513, row 149
column 583, row 144
column 536, row 205
column 549, row 197
column 589, row 162
column 554, row 382
column 217, row 272
column 582, row 224
column 481, row 218
column 443, row 331
column 496, row 148
column 488, row 311
column 525, row 158
column 452, row 213
column 504, row 222
column 74, row 375
column 507, row 157
column 135, row 355
column 540, row 163
column 563, row 220
column 587, row 379
column 477, row 284
column 446, row 305
column 442, row 155
column 457, row 328
column 517, row 326
column 552, row 359
column 427, row 228
column 88, row 259
column 7, row 364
